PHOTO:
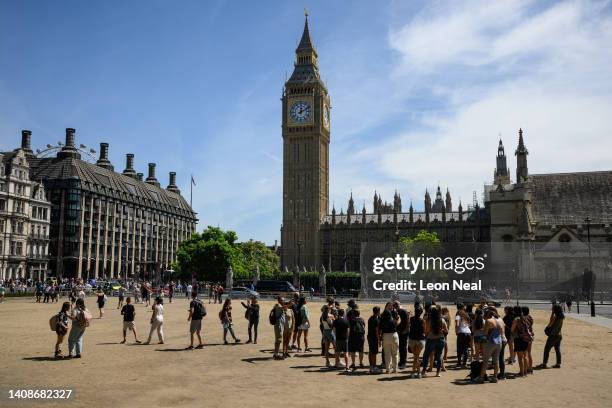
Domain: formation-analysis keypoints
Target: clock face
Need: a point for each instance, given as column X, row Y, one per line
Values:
column 326, row 116
column 300, row 112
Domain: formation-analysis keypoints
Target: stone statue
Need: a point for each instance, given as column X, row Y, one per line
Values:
column 364, row 282
column 286, row 269
column 229, row 278
column 256, row 276
column 322, row 283
column 296, row 277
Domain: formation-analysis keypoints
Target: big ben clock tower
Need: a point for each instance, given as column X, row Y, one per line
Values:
column 306, row 134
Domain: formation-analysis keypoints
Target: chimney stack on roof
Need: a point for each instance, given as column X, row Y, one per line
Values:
column 129, row 166
column 172, row 184
column 151, row 178
column 26, row 138
column 69, row 150
column 103, row 160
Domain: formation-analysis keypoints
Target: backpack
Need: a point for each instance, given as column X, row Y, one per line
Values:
column 524, row 331
column 53, row 321
column 359, row 327
column 199, row 308
column 475, row 368
column 272, row 317
column 85, row 318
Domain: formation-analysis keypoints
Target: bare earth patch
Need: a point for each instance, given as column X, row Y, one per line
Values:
column 245, row 375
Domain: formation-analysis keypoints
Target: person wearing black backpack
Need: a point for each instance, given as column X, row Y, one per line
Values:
column 277, row 319
column 197, row 311
column 356, row 337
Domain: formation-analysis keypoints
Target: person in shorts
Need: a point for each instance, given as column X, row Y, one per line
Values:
column 121, row 295
column 341, row 330
column 279, row 316
column 304, row 326
column 129, row 313
column 356, row 338
column 197, row 311
column 61, row 328
column 374, row 339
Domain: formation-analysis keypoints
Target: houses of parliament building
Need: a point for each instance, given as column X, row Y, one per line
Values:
column 543, row 213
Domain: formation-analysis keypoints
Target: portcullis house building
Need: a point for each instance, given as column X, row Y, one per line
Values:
column 105, row 223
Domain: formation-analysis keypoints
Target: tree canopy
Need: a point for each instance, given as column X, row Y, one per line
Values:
column 208, row 255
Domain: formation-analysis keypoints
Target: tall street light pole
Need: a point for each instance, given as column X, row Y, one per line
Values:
column 587, row 220
column 299, row 244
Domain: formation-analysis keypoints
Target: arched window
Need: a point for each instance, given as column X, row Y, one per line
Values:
column 565, row 238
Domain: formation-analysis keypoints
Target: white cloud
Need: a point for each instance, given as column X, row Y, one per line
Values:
column 498, row 67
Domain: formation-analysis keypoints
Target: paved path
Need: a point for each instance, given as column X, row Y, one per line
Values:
column 598, row 320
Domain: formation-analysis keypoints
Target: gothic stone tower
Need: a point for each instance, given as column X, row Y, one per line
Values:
column 306, row 136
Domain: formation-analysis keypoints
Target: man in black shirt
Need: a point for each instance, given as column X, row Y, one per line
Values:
column 402, row 331
column 197, row 311
column 341, row 329
column 129, row 312
column 374, row 339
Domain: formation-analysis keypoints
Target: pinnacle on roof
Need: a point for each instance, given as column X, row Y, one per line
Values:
column 305, row 42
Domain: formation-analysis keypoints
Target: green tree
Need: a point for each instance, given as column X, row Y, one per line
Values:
column 256, row 253
column 207, row 256
column 427, row 244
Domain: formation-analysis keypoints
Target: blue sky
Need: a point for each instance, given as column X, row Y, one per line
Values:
column 420, row 91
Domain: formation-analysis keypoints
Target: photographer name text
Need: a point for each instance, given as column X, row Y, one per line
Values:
column 404, row 285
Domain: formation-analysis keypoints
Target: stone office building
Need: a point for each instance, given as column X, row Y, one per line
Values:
column 109, row 224
column 24, row 218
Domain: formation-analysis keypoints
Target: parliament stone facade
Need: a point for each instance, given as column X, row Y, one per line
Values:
column 536, row 213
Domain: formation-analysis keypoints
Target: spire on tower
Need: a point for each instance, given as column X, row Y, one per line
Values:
column 351, row 205
column 521, row 159
column 501, row 174
column 305, row 42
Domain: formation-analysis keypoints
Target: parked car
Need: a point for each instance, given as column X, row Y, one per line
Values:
column 276, row 288
column 404, row 297
column 475, row 297
column 240, row 292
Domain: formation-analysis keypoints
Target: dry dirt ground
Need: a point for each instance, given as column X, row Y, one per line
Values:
column 120, row 375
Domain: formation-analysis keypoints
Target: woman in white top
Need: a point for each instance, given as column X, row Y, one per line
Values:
column 157, row 320
column 463, row 332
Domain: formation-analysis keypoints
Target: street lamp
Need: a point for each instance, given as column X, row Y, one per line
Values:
column 299, row 244
column 588, row 220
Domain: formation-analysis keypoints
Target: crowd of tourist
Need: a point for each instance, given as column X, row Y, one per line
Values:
column 486, row 339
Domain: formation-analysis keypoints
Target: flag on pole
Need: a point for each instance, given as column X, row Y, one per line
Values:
column 192, row 180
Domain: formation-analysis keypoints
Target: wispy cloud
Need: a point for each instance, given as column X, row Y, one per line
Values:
column 492, row 68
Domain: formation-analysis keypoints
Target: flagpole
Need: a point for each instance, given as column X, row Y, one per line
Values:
column 191, row 192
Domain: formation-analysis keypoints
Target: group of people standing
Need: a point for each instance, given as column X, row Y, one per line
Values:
column 482, row 334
